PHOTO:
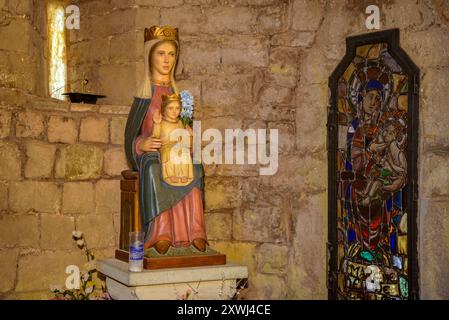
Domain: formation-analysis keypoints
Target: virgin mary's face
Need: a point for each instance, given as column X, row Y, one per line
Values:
column 163, row 58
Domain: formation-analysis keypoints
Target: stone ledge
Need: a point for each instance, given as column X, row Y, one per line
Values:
column 118, row 271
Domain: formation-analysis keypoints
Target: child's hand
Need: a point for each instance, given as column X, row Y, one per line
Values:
column 157, row 118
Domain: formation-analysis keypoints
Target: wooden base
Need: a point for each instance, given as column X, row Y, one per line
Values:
column 175, row 262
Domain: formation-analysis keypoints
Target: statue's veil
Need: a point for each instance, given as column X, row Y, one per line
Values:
column 144, row 90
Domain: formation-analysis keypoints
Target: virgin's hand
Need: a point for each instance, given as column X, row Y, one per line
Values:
column 150, row 144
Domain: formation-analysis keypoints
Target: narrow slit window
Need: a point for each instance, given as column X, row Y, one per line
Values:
column 57, row 50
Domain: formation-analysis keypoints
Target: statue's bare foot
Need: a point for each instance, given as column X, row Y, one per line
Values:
column 184, row 179
column 200, row 244
column 162, row 246
column 173, row 179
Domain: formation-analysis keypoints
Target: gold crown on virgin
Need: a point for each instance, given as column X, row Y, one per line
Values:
column 161, row 32
column 170, row 97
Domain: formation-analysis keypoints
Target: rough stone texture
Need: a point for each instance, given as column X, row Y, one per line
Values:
column 118, row 130
column 78, row 197
column 79, row 162
column 98, row 230
column 33, row 195
column 107, row 196
column 259, row 224
column 3, row 196
column 29, row 124
column 94, row 129
column 8, row 267
column 222, row 193
column 41, row 157
column 115, row 161
column 272, row 259
column 39, row 271
column 218, row 226
column 10, row 161
column 5, row 124
column 434, row 249
column 57, row 232
column 62, row 129
column 19, row 230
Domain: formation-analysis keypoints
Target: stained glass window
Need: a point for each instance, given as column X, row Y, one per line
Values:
column 370, row 124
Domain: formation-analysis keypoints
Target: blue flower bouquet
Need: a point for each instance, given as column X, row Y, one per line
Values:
column 186, row 114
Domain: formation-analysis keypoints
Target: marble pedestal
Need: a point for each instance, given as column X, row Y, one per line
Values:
column 207, row 283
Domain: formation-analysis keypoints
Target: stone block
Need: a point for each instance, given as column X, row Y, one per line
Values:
column 8, row 266
column 94, row 129
column 434, row 118
column 266, row 287
column 118, row 130
column 107, row 196
column 115, row 161
column 40, row 159
column 79, row 162
column 222, row 193
column 10, row 162
column 260, row 224
column 122, row 89
column 56, row 232
column 307, row 14
column 272, row 259
column 5, row 124
column 182, row 16
column 238, row 252
column 62, row 129
column 98, row 230
column 284, row 66
column 39, row 271
column 19, row 230
column 123, row 47
column 218, row 226
column 210, row 55
column 293, row 39
column 30, row 124
column 306, row 274
column 3, row 195
column 223, row 21
column 311, row 130
column 434, row 256
column 78, row 198
column 15, row 35
column 243, row 53
column 286, row 136
column 434, row 178
column 229, row 96
column 34, row 195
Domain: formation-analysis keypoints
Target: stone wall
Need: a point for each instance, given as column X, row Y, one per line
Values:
column 60, row 170
column 23, row 45
column 249, row 64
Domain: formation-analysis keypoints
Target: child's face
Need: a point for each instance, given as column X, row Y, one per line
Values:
column 389, row 134
column 172, row 110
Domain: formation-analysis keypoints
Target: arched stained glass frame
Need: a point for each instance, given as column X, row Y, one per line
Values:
column 372, row 149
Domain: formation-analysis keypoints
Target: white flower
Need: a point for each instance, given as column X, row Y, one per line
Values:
column 56, row 288
column 89, row 290
column 77, row 234
column 85, row 277
column 80, row 242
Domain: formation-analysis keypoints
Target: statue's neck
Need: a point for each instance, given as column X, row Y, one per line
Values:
column 160, row 79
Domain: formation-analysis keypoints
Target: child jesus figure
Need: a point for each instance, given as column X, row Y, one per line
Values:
column 176, row 161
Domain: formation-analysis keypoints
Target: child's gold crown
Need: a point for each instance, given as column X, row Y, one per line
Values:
column 166, row 99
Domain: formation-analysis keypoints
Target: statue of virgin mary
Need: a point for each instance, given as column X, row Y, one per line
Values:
column 171, row 216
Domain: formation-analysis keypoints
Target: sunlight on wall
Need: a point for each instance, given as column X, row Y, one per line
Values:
column 57, row 50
